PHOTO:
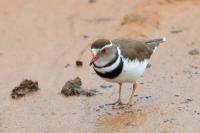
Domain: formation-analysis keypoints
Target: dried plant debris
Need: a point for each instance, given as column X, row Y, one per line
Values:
column 194, row 67
column 190, row 73
column 168, row 120
column 25, row 87
column 67, row 65
column 99, row 20
column 79, row 63
column 73, row 88
column 176, row 31
column 194, row 51
column 131, row 124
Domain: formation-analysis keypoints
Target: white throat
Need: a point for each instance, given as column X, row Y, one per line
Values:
column 111, row 67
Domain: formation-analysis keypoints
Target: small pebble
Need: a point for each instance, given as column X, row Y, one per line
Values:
column 147, row 97
column 176, row 31
column 92, row 1
column 79, row 63
column 106, row 86
column 176, row 95
column 101, row 106
column 85, row 36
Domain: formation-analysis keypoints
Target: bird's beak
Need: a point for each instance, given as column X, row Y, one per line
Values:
column 94, row 58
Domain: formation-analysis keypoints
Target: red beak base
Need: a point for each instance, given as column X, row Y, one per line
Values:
column 94, row 58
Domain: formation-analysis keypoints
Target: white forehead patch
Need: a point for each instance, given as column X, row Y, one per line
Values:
column 94, row 51
column 108, row 45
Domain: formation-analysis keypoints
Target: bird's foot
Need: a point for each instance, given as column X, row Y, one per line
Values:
column 129, row 104
column 118, row 103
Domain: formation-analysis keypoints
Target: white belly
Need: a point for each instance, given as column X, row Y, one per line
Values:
column 132, row 69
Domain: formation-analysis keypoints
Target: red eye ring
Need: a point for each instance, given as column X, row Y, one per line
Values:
column 104, row 50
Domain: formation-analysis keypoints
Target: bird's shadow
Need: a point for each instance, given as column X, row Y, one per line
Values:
column 117, row 119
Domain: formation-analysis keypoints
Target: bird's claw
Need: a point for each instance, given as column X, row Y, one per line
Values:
column 129, row 104
column 118, row 103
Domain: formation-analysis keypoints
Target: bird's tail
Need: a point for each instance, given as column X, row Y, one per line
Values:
column 153, row 44
column 156, row 41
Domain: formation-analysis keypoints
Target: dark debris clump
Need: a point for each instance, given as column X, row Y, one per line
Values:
column 26, row 86
column 73, row 88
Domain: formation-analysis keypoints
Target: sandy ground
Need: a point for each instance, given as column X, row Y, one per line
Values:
column 38, row 39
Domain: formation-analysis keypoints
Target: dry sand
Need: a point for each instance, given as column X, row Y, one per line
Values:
column 38, row 39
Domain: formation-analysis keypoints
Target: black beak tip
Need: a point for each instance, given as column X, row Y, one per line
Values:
column 90, row 63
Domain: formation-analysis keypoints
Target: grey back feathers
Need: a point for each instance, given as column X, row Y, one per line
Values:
column 132, row 49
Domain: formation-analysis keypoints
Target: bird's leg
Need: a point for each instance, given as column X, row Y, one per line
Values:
column 132, row 94
column 118, row 102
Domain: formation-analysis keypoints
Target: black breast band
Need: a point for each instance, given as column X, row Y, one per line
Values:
column 112, row 74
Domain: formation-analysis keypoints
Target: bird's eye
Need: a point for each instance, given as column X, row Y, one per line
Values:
column 104, row 50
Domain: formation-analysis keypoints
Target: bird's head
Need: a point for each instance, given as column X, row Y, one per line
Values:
column 102, row 52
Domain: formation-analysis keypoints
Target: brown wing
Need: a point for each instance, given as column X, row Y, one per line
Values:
column 133, row 49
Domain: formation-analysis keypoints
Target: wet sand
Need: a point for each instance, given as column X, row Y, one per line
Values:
column 39, row 38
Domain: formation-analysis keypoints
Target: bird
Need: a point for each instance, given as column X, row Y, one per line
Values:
column 122, row 61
